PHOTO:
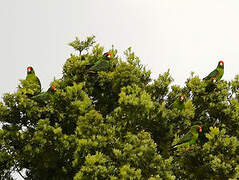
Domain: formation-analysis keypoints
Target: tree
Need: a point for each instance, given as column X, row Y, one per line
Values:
column 120, row 124
column 82, row 45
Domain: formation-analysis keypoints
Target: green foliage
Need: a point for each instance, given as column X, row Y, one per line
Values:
column 118, row 124
column 216, row 159
column 83, row 45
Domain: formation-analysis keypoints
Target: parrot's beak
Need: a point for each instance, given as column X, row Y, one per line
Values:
column 220, row 63
column 214, row 80
column 28, row 70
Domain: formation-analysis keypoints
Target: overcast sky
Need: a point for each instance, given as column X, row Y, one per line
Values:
column 183, row 36
column 180, row 35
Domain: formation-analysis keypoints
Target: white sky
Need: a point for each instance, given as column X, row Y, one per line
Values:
column 183, row 36
column 180, row 35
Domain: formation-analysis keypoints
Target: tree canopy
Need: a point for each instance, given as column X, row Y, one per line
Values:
column 119, row 124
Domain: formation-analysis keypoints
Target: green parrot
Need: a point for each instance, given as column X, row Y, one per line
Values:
column 33, row 82
column 101, row 65
column 217, row 73
column 45, row 97
column 190, row 138
column 211, row 85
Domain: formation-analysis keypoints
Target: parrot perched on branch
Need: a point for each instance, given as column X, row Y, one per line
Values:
column 101, row 65
column 190, row 138
column 33, row 84
column 217, row 73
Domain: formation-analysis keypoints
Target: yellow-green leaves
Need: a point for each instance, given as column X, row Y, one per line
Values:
column 135, row 97
column 126, row 172
column 118, row 124
column 83, row 45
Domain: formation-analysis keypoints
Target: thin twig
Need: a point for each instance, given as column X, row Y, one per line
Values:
column 21, row 174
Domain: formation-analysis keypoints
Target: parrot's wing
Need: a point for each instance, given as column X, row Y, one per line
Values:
column 213, row 74
column 41, row 98
column 186, row 138
column 100, row 66
column 103, row 66
column 95, row 66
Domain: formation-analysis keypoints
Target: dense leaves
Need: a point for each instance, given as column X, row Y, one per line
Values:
column 119, row 124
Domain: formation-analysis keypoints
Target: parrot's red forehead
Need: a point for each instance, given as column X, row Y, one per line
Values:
column 109, row 54
column 53, row 88
column 214, row 78
column 221, row 62
column 200, row 128
column 29, row 67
